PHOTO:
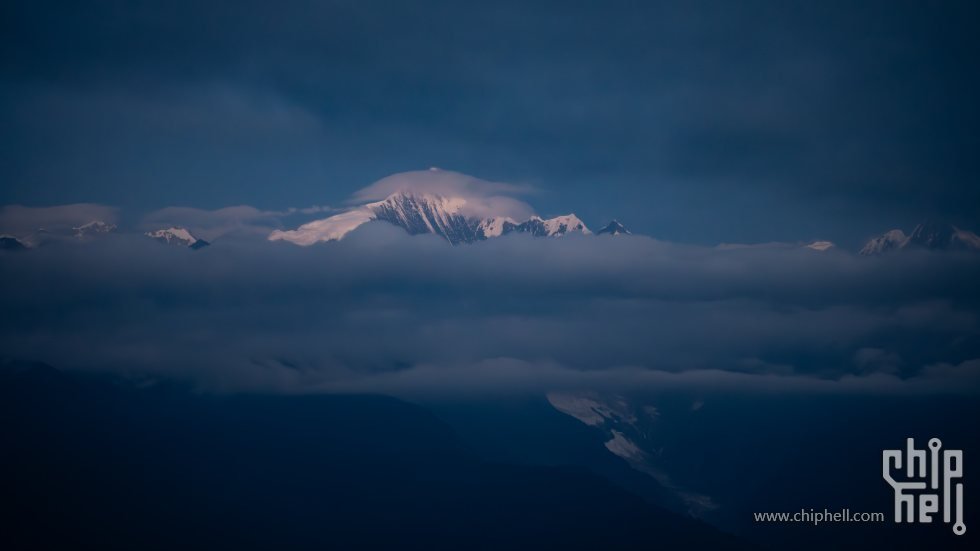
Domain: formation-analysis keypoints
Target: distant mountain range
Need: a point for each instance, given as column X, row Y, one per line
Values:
column 429, row 213
column 178, row 236
column 927, row 235
column 446, row 216
column 96, row 228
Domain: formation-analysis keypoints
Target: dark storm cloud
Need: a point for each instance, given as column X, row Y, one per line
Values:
column 693, row 121
column 389, row 310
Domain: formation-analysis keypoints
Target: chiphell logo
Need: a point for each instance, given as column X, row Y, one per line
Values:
column 927, row 481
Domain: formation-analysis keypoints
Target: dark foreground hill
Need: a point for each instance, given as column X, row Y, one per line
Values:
column 95, row 463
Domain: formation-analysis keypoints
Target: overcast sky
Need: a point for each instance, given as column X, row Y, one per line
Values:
column 696, row 122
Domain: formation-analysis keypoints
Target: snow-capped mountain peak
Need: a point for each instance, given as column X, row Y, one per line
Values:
column 403, row 202
column 614, row 228
column 173, row 235
column 560, row 225
column 493, row 227
column 416, row 213
column 551, row 227
column 454, row 206
column 93, row 228
column 930, row 235
column 332, row 228
column 927, row 235
column 426, row 213
column 888, row 241
column 177, row 236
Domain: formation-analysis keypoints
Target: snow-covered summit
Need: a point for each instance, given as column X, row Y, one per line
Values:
column 493, row 227
column 888, row 241
column 561, row 225
column 551, row 227
column 927, row 235
column 416, row 213
column 454, row 206
column 419, row 213
column 449, row 217
column 177, row 236
column 930, row 235
column 94, row 227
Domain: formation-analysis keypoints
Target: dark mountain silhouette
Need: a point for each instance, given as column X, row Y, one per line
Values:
column 613, row 228
column 927, row 235
column 8, row 243
column 96, row 463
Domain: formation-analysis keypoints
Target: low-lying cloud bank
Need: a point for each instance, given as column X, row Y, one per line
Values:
column 21, row 220
column 385, row 311
column 36, row 225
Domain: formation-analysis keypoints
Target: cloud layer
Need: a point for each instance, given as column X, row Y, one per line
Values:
column 19, row 220
column 386, row 311
column 483, row 198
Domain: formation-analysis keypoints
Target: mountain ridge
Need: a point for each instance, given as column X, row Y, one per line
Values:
column 295, row 471
column 177, row 235
column 422, row 213
column 927, row 235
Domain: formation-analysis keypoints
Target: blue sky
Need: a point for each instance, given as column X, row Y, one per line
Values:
column 696, row 122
